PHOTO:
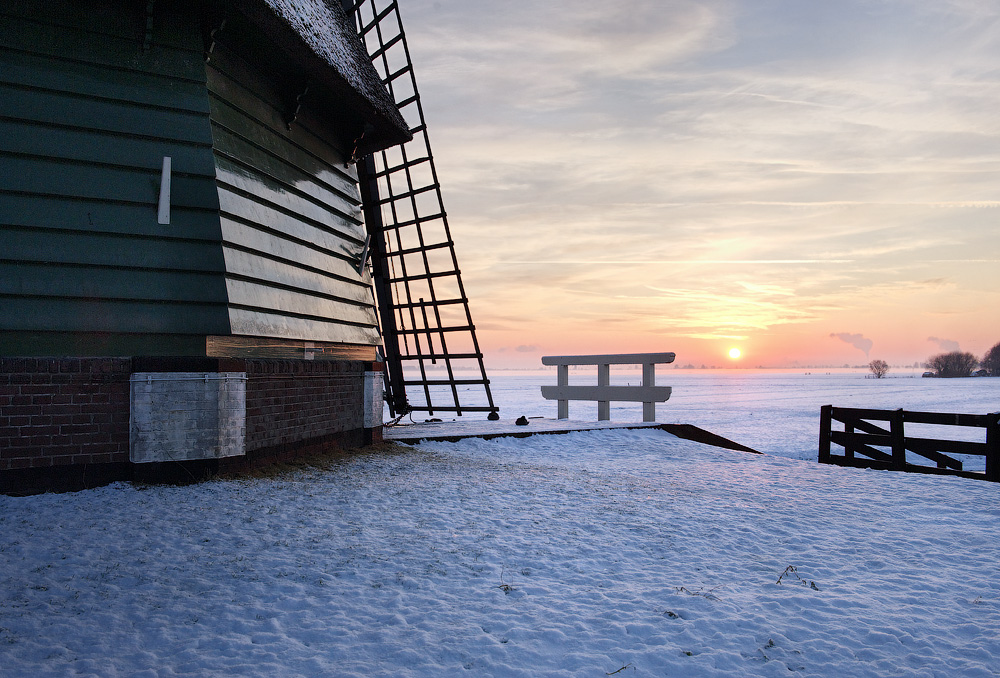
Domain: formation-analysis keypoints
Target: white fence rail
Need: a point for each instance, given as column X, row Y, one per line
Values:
column 648, row 393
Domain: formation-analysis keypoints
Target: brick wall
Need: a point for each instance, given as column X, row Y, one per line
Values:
column 64, row 422
column 63, row 411
column 294, row 400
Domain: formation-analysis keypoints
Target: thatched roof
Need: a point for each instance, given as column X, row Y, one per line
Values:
column 319, row 36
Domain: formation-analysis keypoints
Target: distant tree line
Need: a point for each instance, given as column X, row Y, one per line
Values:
column 953, row 364
column 962, row 364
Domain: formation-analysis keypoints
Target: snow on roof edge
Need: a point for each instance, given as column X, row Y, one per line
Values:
column 328, row 33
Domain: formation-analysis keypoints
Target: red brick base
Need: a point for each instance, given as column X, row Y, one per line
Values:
column 64, row 422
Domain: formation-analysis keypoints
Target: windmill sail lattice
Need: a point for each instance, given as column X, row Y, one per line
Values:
column 433, row 360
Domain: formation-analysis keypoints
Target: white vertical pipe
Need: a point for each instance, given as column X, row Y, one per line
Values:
column 163, row 216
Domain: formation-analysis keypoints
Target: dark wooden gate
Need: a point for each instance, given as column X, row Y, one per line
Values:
column 874, row 445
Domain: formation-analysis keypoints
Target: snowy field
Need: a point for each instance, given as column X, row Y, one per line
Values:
column 776, row 412
column 627, row 553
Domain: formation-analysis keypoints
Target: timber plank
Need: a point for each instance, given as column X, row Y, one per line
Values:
column 257, row 323
column 331, row 254
column 120, row 52
column 111, row 250
column 118, row 117
column 98, row 217
column 269, row 347
column 231, row 80
column 268, row 299
column 608, row 393
column 77, row 281
column 287, row 274
column 25, row 174
column 82, row 344
column 90, row 80
column 111, row 316
column 268, row 191
column 91, row 146
column 286, row 163
column 337, row 235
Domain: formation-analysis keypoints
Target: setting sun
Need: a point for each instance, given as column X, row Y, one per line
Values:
column 734, row 353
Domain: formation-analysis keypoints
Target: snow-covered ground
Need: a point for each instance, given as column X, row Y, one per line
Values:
column 629, row 553
column 773, row 411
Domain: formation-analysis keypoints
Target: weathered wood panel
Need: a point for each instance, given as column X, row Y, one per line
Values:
column 262, row 323
column 291, row 217
column 255, row 347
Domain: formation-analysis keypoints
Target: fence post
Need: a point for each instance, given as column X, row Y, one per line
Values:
column 993, row 447
column 604, row 379
column 898, row 439
column 562, row 379
column 649, row 379
column 825, row 420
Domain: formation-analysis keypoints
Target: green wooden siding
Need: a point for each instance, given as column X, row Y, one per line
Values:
column 291, row 216
column 265, row 227
column 86, row 117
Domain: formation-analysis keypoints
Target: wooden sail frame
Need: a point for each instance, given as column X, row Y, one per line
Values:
column 432, row 355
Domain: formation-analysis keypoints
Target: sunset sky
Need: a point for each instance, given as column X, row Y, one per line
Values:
column 814, row 183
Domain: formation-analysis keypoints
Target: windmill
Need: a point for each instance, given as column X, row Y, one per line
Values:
column 433, row 362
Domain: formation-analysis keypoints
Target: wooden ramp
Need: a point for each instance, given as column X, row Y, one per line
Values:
column 453, row 431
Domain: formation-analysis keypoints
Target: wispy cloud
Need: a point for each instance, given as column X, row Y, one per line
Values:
column 719, row 168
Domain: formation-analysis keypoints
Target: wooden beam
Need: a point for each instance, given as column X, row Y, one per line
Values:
column 613, row 359
column 285, row 349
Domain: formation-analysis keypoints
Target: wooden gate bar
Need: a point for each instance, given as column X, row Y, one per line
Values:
column 861, row 437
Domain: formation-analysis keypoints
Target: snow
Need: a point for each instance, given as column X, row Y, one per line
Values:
column 560, row 555
column 773, row 411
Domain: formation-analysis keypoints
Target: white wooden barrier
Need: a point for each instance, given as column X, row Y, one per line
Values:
column 648, row 393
